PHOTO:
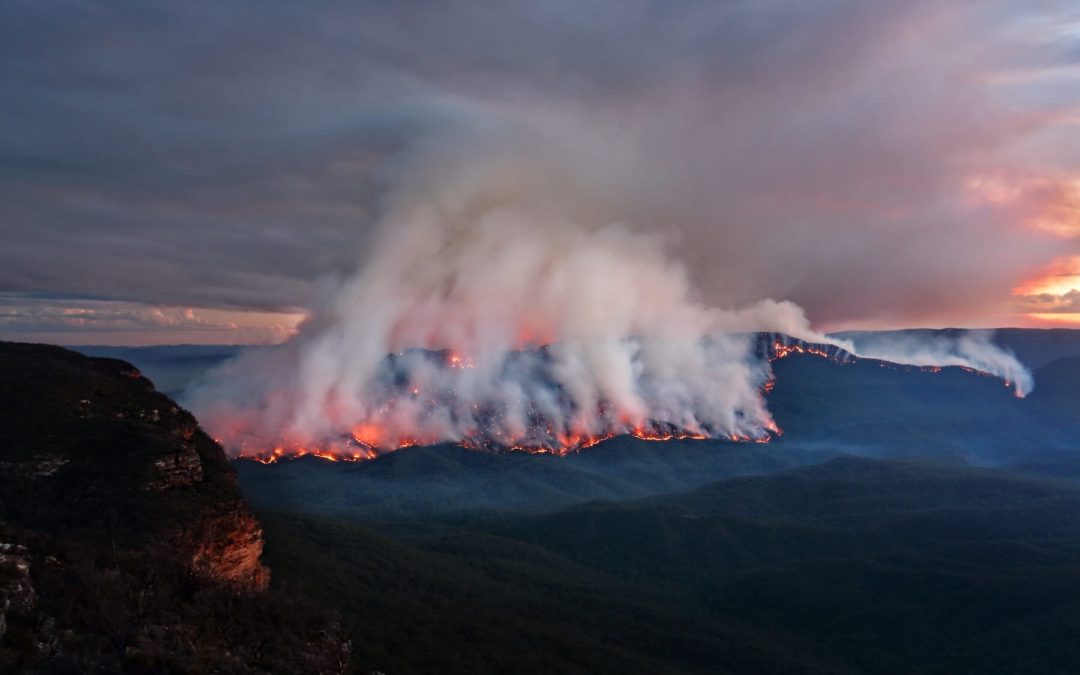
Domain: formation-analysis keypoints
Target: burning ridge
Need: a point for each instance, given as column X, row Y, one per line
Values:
column 775, row 346
column 542, row 433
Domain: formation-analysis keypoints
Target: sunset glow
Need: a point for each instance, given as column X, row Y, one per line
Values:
column 1053, row 297
column 1060, row 319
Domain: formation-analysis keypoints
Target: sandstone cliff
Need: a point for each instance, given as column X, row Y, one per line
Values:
column 124, row 541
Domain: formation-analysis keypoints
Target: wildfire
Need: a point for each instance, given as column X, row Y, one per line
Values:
column 345, row 452
column 368, row 435
column 360, row 445
column 652, row 435
column 371, row 438
column 782, row 350
column 456, row 360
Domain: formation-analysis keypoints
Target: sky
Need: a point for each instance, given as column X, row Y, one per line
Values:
column 201, row 172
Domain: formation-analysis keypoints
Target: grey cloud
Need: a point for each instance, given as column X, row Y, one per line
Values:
column 42, row 317
column 227, row 155
column 1065, row 303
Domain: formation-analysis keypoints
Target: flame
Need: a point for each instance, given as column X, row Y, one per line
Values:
column 358, row 447
column 368, row 435
column 456, row 360
column 369, row 439
column 782, row 350
column 652, row 435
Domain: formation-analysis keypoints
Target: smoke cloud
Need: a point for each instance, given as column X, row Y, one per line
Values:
column 501, row 305
column 971, row 349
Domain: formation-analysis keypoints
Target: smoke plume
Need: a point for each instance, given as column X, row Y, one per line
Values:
column 971, row 349
column 501, row 305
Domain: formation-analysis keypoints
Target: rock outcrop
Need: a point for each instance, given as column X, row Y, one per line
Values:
column 123, row 534
column 16, row 589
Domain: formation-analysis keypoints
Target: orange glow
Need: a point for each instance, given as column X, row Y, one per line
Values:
column 357, row 449
column 1061, row 277
column 652, row 435
column 456, row 360
column 780, row 350
column 370, row 435
column 1051, row 285
column 1050, row 298
column 1062, row 318
column 329, row 452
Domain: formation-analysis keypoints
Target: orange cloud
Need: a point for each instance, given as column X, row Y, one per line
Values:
column 1062, row 318
column 82, row 321
column 1054, row 296
column 1060, row 278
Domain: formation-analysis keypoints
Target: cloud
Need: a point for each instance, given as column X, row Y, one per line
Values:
column 1042, row 303
column 37, row 318
column 216, row 155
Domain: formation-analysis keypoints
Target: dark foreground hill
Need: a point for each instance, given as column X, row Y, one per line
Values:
column 124, row 541
column 852, row 566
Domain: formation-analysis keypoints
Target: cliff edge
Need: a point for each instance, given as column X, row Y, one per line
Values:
column 125, row 543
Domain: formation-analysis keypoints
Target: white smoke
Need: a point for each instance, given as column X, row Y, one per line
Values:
column 969, row 349
column 493, row 258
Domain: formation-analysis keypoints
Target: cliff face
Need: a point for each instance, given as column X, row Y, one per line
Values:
column 89, row 444
column 123, row 532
